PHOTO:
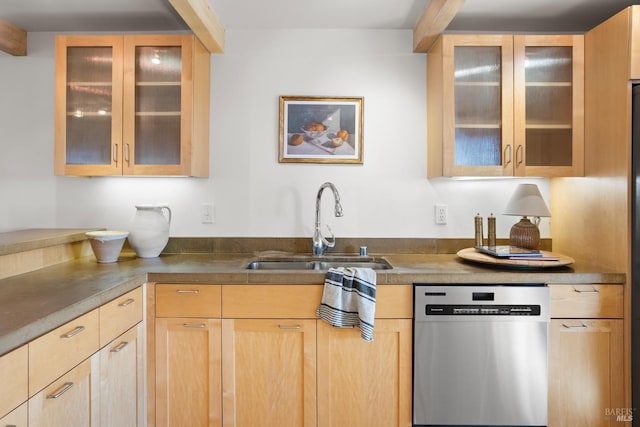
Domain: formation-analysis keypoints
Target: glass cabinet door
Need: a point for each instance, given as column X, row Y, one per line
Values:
column 481, row 81
column 132, row 105
column 88, row 105
column 155, row 104
column 548, row 105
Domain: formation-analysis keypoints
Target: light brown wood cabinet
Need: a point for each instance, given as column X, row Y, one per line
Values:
column 131, row 105
column 122, row 380
column 14, row 373
column 504, row 105
column 362, row 384
column 66, row 401
column 269, row 372
column 187, row 356
column 69, row 381
column 58, row 351
column 16, row 418
column 586, row 385
column 278, row 362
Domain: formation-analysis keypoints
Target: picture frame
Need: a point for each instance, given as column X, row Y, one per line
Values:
column 317, row 129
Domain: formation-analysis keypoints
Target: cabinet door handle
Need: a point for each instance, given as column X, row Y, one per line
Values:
column 119, row 347
column 73, row 333
column 507, row 154
column 592, row 291
column 289, row 326
column 115, row 153
column 126, row 153
column 194, row 325
column 519, row 155
column 127, row 302
column 188, row 291
column 580, row 326
column 62, row 390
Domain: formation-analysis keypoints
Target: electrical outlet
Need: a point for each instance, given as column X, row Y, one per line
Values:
column 441, row 214
column 207, row 213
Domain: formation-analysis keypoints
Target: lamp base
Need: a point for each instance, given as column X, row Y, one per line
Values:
column 524, row 234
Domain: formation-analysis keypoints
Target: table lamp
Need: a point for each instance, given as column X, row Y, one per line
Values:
column 526, row 201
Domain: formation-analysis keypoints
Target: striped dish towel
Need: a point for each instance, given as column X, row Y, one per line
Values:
column 349, row 299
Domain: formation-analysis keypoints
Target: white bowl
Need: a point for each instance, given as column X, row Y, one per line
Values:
column 107, row 244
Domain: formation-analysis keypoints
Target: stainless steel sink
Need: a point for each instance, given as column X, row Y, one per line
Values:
column 318, row 263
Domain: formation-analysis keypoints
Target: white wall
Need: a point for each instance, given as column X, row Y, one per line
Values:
column 254, row 195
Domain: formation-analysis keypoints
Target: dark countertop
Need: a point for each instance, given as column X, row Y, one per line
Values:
column 31, row 304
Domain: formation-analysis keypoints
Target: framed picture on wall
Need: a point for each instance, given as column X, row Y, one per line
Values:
column 317, row 129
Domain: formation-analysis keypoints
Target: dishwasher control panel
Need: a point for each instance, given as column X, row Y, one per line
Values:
column 481, row 310
column 512, row 302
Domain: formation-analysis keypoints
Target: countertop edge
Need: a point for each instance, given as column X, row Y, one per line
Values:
column 55, row 295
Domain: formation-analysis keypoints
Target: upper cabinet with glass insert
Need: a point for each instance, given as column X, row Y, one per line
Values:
column 503, row 105
column 132, row 105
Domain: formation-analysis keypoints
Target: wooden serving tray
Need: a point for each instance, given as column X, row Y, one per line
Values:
column 471, row 254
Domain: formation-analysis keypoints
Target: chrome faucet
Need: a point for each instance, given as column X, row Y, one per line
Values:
column 320, row 243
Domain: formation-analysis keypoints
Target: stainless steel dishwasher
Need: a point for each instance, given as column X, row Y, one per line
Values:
column 480, row 355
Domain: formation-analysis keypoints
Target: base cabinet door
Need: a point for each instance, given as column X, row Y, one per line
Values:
column 15, row 418
column 121, row 381
column 585, row 373
column 188, row 372
column 66, row 401
column 364, row 383
column 269, row 372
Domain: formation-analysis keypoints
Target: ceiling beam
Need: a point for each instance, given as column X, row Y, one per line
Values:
column 433, row 22
column 13, row 40
column 203, row 22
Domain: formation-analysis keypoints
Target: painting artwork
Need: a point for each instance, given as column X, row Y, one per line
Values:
column 320, row 129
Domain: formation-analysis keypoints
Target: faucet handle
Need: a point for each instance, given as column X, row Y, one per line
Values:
column 330, row 241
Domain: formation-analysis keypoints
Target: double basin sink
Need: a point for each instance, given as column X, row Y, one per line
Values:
column 318, row 263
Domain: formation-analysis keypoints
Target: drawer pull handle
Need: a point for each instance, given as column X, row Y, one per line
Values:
column 591, row 291
column 127, row 302
column 62, row 390
column 188, row 291
column 580, row 326
column 194, row 325
column 73, row 333
column 289, row 326
column 119, row 347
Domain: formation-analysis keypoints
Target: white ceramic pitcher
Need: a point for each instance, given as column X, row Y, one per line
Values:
column 149, row 231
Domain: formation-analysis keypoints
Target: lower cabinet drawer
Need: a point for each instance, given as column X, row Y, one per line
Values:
column 177, row 300
column 55, row 353
column 301, row 301
column 587, row 301
column 271, row 301
column 14, row 375
column 119, row 315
